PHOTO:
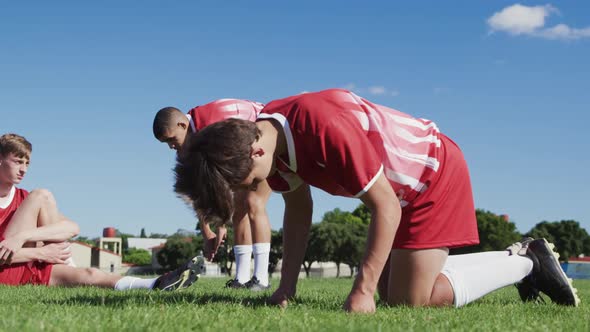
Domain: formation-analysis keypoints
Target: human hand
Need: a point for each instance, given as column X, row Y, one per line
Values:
column 359, row 303
column 213, row 242
column 281, row 297
column 8, row 247
column 55, row 253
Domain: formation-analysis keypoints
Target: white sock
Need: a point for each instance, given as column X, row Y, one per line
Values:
column 471, row 282
column 243, row 253
column 134, row 283
column 261, row 256
column 474, row 259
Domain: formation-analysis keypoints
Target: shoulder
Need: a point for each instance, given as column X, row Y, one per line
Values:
column 21, row 192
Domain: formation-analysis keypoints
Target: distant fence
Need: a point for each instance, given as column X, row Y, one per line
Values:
column 577, row 270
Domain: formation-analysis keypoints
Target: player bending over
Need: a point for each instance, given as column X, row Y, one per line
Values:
column 413, row 178
column 250, row 220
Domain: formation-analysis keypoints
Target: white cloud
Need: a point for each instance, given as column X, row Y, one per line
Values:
column 375, row 90
column 530, row 21
column 562, row 31
column 518, row 19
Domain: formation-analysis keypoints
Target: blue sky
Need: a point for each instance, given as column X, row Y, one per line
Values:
column 83, row 80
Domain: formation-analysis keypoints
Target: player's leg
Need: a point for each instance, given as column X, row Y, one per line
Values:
column 67, row 276
column 242, row 241
column 412, row 277
column 37, row 210
column 260, row 226
column 423, row 278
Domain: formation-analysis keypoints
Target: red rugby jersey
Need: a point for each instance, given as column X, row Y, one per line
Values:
column 218, row 110
column 15, row 198
column 340, row 143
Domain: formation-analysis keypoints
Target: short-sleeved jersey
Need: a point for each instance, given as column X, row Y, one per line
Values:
column 222, row 109
column 7, row 210
column 341, row 143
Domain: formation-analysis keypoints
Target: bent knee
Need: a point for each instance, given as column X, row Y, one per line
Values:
column 42, row 195
column 90, row 274
column 256, row 207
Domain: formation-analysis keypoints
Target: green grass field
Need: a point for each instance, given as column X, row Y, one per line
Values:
column 207, row 306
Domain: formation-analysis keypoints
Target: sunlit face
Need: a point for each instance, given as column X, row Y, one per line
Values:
column 175, row 137
column 13, row 168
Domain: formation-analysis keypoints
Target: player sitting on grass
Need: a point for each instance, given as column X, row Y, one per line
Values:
column 413, row 179
column 250, row 220
column 27, row 219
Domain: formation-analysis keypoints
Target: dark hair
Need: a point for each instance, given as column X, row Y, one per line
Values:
column 164, row 120
column 15, row 144
column 214, row 160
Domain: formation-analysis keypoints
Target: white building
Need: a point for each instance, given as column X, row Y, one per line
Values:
column 85, row 255
column 144, row 243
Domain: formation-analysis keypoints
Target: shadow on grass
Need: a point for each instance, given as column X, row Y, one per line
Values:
column 125, row 299
column 142, row 298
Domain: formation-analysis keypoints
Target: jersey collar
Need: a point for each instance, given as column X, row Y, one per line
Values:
column 10, row 198
column 190, row 120
column 288, row 137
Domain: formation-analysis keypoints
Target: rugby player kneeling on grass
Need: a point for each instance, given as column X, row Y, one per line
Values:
column 413, row 178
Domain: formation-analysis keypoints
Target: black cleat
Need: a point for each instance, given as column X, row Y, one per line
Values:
column 182, row 277
column 255, row 285
column 548, row 276
column 526, row 290
column 234, row 283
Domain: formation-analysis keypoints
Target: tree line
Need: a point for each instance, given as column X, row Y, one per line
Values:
column 340, row 238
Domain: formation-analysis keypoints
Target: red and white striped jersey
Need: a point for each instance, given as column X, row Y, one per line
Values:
column 340, row 142
column 221, row 109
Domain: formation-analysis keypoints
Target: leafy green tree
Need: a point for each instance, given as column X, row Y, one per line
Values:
column 86, row 240
column 315, row 248
column 353, row 246
column 137, row 257
column 178, row 250
column 363, row 212
column 158, row 236
column 338, row 216
column 569, row 237
column 124, row 242
column 345, row 235
column 142, row 234
column 495, row 233
column 276, row 250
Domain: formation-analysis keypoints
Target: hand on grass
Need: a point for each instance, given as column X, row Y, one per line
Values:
column 213, row 242
column 359, row 303
column 281, row 297
column 8, row 247
column 55, row 253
